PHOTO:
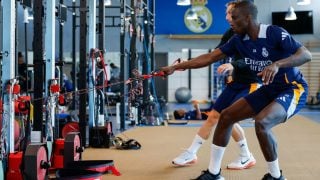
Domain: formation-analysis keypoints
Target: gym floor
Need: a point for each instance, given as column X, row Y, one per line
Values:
column 297, row 140
column 298, row 153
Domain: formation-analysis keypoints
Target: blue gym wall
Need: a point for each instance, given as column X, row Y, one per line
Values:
column 166, row 44
column 171, row 19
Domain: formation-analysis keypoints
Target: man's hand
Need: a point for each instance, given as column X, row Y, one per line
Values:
column 170, row 69
column 224, row 68
column 167, row 70
column 268, row 73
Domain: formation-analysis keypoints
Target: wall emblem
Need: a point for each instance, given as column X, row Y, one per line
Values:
column 204, row 17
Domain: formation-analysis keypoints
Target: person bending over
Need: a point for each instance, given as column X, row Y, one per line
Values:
column 243, row 82
column 274, row 55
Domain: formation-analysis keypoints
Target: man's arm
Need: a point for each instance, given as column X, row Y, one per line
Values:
column 197, row 62
column 197, row 109
column 301, row 56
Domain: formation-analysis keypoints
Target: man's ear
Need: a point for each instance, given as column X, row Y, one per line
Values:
column 249, row 17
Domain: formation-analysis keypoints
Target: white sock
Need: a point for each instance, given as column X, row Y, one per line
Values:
column 244, row 150
column 196, row 144
column 216, row 158
column 273, row 168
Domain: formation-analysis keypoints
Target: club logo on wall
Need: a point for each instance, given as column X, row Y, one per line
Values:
column 198, row 18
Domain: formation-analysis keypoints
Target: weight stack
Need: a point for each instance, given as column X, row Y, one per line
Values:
column 101, row 137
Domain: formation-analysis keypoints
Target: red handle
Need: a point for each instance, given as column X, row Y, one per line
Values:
column 158, row 73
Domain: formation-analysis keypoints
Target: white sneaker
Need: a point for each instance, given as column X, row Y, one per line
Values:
column 185, row 158
column 242, row 162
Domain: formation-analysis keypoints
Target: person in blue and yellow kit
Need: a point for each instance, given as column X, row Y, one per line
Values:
column 273, row 54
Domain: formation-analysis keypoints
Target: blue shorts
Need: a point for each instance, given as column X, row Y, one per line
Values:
column 292, row 96
column 231, row 93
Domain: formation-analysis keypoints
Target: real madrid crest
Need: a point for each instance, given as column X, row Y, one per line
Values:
column 265, row 52
column 203, row 17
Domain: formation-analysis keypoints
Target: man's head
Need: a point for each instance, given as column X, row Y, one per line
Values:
column 229, row 7
column 244, row 14
column 112, row 65
column 179, row 113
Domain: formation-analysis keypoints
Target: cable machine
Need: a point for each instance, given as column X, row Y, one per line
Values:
column 146, row 19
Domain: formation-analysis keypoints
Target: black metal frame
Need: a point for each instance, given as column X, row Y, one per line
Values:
column 38, row 66
column 83, row 120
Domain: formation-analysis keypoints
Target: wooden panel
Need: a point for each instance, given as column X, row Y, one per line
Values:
column 311, row 72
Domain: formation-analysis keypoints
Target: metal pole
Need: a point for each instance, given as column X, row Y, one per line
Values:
column 92, row 68
column 8, row 64
column 189, row 71
column 123, row 64
column 26, row 52
column 83, row 121
column 50, row 72
column 101, row 46
column 61, row 48
column 38, row 66
column 102, row 23
column 74, row 70
column 146, row 66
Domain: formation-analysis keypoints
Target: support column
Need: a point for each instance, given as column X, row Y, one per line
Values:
column 83, row 121
column 92, row 63
column 38, row 65
column 146, row 60
column 124, row 67
column 8, row 64
column 50, row 71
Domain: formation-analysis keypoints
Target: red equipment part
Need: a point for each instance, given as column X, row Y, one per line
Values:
column 158, row 73
column 61, row 100
column 22, row 105
column 102, row 166
column 153, row 74
column 66, row 150
column 72, row 157
column 72, row 148
column 57, row 159
column 36, row 162
column 70, row 127
column 15, row 90
column 54, row 88
column 146, row 76
column 14, row 166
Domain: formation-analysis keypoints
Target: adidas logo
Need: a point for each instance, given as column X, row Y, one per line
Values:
column 282, row 99
column 284, row 35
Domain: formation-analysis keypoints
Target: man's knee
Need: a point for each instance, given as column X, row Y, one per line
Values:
column 265, row 122
column 226, row 117
column 261, row 125
column 213, row 118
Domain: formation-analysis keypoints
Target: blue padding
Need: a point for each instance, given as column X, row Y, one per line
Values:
column 63, row 116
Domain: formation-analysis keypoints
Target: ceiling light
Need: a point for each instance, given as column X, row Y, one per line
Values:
column 303, row 2
column 107, row 2
column 183, row 2
column 291, row 15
